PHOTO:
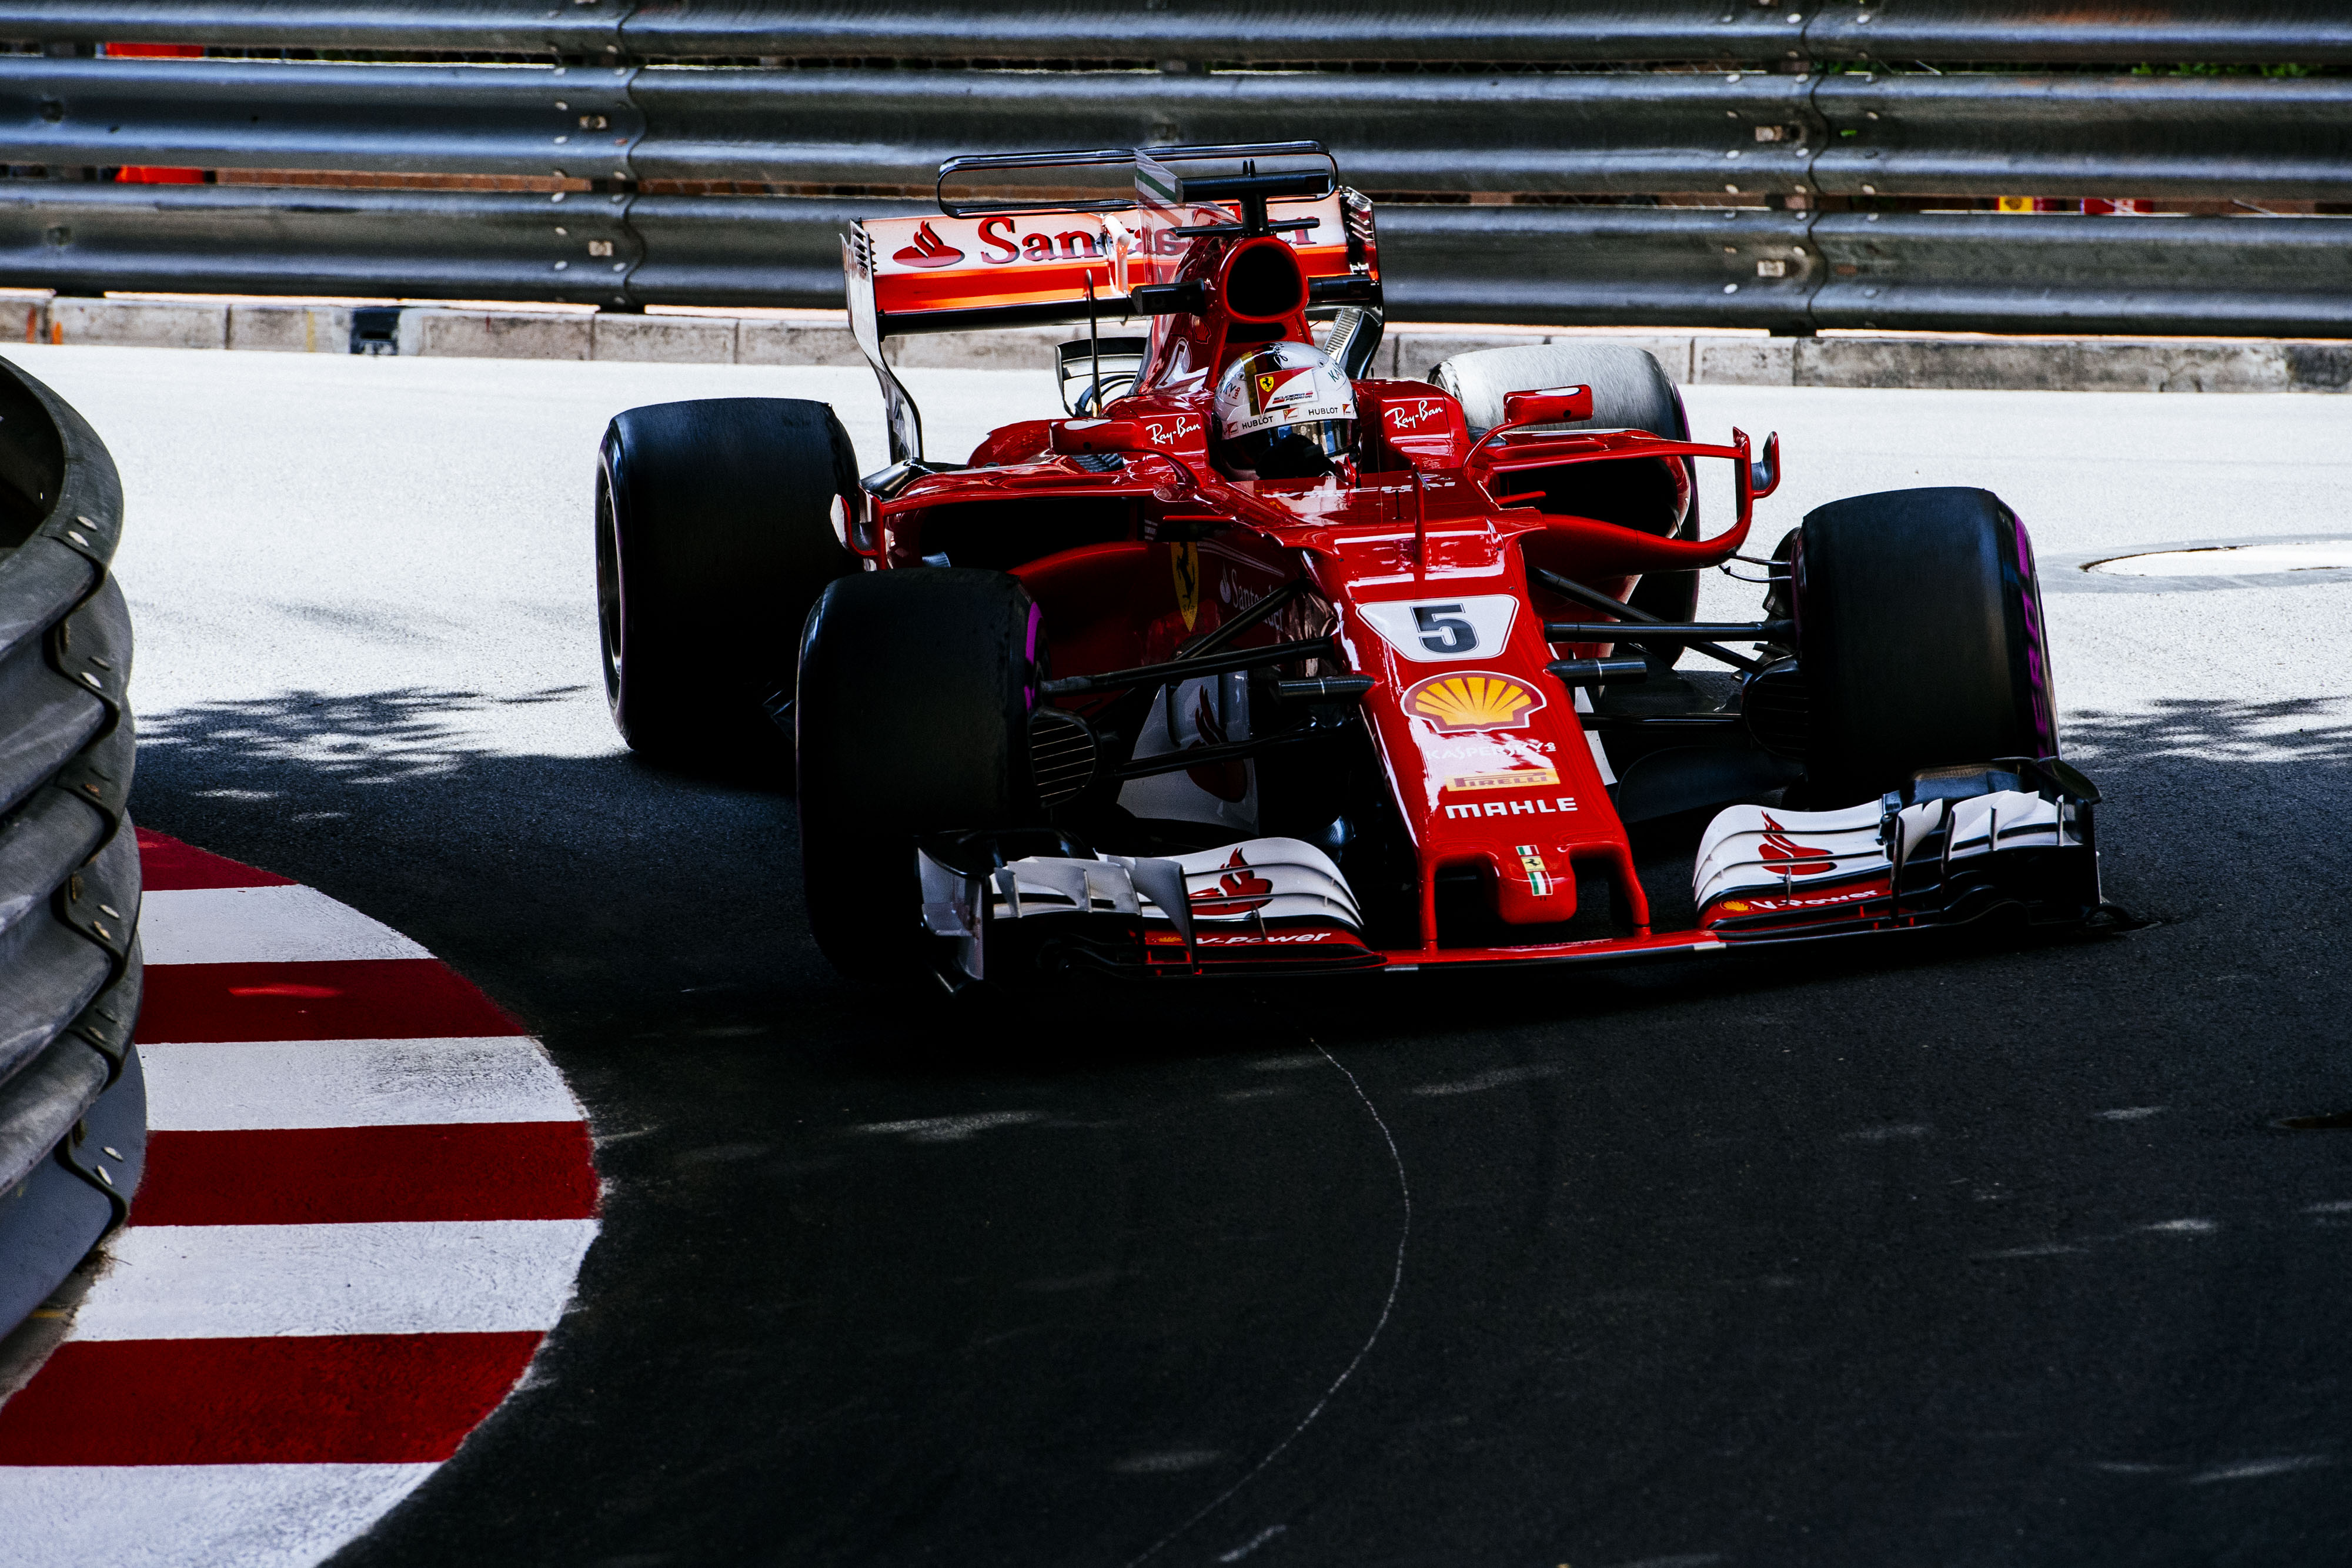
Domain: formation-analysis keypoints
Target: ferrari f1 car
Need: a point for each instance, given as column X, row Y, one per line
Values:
column 1258, row 662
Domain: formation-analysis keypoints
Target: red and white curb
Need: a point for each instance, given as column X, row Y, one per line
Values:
column 367, row 1194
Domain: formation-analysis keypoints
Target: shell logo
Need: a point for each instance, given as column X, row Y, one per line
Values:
column 1469, row 700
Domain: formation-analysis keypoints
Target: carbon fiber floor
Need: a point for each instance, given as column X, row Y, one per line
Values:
column 1949, row 1254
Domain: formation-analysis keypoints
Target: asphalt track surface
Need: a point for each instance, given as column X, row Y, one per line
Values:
column 1940, row 1252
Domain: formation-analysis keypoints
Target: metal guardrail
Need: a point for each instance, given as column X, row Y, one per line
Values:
column 1844, row 135
column 1769, row 137
column 73, row 1119
column 1597, row 265
column 1304, row 31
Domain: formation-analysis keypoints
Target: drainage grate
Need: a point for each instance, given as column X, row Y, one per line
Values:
column 2231, row 560
column 375, row 330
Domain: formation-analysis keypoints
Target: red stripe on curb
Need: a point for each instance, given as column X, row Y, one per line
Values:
column 341, row 1399
column 362, row 1175
column 360, row 998
column 167, row 865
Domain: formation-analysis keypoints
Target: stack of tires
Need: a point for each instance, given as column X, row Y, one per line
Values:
column 73, row 1114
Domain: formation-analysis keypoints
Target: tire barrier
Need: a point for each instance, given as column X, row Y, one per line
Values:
column 368, row 1193
column 73, row 1128
column 713, row 179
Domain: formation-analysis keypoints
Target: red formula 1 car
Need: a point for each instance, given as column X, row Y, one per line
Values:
column 1259, row 663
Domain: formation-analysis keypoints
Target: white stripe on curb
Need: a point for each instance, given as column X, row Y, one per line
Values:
column 290, row 924
column 352, row 1083
column 247, row 1282
column 295, row 1329
column 194, row 1515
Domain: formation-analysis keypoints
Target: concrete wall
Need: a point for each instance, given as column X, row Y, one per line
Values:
column 2056, row 364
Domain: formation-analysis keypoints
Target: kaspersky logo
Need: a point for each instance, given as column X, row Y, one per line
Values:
column 928, row 250
column 1472, row 700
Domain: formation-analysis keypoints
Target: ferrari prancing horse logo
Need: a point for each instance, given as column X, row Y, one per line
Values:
column 1184, row 560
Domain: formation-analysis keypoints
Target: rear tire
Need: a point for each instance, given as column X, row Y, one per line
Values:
column 1631, row 390
column 1919, row 639
column 715, row 532
column 916, row 688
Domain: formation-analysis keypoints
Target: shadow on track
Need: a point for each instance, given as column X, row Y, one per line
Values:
column 1831, row 1255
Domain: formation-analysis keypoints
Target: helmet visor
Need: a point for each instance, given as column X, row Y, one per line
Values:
column 1307, row 450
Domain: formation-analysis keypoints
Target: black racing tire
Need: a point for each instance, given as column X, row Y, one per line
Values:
column 1631, row 390
column 1920, row 640
column 916, row 687
column 717, row 526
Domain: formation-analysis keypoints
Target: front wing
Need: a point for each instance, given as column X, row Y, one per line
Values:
column 1261, row 906
column 1987, row 844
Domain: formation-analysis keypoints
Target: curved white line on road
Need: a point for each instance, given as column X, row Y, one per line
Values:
column 1396, row 1284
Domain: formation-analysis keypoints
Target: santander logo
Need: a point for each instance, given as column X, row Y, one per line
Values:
column 928, row 250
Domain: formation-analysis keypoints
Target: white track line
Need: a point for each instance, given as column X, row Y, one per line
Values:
column 248, row 1281
column 352, row 1083
column 1387, row 1305
column 291, row 924
column 192, row 1516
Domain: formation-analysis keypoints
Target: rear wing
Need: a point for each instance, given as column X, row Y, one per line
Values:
column 955, row 274
column 1013, row 263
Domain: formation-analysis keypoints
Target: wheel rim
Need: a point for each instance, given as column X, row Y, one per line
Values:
column 608, row 588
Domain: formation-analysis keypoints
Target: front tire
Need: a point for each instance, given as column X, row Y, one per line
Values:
column 718, row 524
column 916, row 687
column 1919, row 639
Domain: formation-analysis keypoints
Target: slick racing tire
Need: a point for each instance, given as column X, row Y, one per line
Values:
column 1631, row 390
column 718, row 523
column 913, row 718
column 1919, row 639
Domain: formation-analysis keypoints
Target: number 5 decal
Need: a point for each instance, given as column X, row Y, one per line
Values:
column 1432, row 630
column 1442, row 629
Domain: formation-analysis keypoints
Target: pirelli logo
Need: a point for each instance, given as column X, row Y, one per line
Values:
column 1552, row 807
column 1518, row 779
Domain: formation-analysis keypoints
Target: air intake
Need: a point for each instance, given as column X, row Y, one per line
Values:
column 1061, row 754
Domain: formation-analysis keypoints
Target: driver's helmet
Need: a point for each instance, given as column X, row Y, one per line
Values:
column 1286, row 411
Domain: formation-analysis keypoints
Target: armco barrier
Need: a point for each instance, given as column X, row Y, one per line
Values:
column 1626, row 265
column 1541, row 158
column 1630, row 133
column 73, row 1120
column 247, row 239
column 1283, row 31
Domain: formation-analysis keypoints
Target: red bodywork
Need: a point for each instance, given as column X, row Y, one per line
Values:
column 1488, row 761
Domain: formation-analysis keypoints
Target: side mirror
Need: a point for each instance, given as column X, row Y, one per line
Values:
column 1083, row 437
column 1552, row 405
column 1764, row 474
